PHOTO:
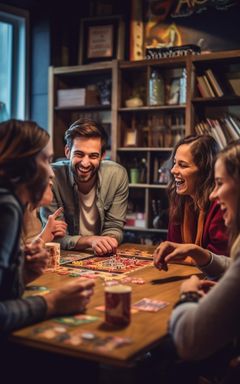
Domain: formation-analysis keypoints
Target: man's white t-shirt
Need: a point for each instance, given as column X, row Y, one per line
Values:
column 89, row 221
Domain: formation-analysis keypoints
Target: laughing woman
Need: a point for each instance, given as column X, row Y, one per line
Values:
column 201, row 324
column 196, row 224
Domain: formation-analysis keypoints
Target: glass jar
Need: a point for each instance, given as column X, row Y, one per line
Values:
column 156, row 89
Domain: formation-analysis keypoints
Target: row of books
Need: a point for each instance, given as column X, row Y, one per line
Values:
column 208, row 85
column 223, row 130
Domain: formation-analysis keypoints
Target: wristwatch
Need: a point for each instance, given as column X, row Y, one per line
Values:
column 188, row 297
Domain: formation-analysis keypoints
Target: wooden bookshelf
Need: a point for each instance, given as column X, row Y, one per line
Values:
column 152, row 129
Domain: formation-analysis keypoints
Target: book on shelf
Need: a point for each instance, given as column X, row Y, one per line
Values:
column 223, row 130
column 202, row 86
column 236, row 124
column 198, row 129
column 234, row 82
column 220, row 132
column 227, row 131
column 233, row 133
column 214, row 131
column 214, row 83
column 209, row 87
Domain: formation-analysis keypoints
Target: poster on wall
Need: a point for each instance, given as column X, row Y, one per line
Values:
column 211, row 25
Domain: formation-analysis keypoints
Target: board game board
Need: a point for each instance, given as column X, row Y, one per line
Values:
column 72, row 257
column 115, row 264
column 134, row 252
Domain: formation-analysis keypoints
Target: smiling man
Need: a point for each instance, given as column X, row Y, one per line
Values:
column 93, row 192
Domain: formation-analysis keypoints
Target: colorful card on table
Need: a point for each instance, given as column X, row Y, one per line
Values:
column 150, row 305
column 76, row 319
column 72, row 257
column 50, row 332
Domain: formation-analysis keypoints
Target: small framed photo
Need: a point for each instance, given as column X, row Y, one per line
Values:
column 101, row 39
column 131, row 138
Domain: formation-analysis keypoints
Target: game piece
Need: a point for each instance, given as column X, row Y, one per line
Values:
column 138, row 280
column 88, row 336
column 162, row 266
column 54, row 253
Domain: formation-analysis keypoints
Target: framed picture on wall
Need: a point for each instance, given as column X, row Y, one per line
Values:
column 101, row 39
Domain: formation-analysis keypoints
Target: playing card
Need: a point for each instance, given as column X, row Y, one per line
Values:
column 150, row 305
column 76, row 319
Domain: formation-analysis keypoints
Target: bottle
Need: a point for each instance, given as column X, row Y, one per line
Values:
column 183, row 88
column 143, row 170
column 156, row 89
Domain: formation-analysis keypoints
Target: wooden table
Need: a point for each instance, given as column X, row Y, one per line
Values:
column 146, row 329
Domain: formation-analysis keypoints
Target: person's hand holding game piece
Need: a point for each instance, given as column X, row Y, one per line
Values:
column 36, row 260
column 71, row 299
column 104, row 245
column 168, row 251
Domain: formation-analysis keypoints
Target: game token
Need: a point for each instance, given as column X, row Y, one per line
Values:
column 138, row 280
column 163, row 266
column 88, row 336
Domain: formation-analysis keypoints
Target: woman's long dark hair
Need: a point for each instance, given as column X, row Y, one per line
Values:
column 230, row 156
column 204, row 150
column 20, row 143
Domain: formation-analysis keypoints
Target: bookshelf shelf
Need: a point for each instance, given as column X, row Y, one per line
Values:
column 221, row 101
column 84, row 108
column 153, row 108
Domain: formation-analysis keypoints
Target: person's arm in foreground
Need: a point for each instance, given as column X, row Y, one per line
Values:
column 201, row 328
column 17, row 312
